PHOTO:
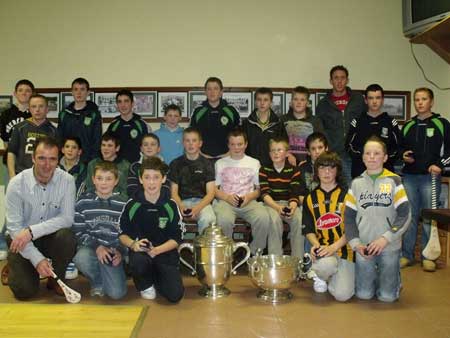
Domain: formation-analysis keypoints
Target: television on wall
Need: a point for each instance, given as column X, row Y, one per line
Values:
column 419, row 15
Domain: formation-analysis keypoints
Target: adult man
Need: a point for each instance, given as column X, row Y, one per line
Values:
column 215, row 119
column 336, row 110
column 39, row 229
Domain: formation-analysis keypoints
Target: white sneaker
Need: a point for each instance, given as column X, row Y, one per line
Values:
column 149, row 293
column 71, row 271
column 97, row 292
column 3, row 255
column 320, row 286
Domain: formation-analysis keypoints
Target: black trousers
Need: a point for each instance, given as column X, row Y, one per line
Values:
column 147, row 272
column 23, row 278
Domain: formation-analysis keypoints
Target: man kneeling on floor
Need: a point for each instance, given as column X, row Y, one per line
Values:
column 39, row 213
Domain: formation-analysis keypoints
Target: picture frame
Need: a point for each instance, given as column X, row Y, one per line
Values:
column 6, row 102
column 311, row 104
column 145, row 103
column 398, row 105
column 106, row 103
column 196, row 99
column 53, row 100
column 66, row 98
column 242, row 101
column 278, row 103
column 178, row 98
column 320, row 96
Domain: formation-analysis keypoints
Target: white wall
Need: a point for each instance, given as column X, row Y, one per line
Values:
column 180, row 43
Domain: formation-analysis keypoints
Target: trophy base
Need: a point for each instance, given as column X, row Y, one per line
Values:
column 214, row 292
column 275, row 296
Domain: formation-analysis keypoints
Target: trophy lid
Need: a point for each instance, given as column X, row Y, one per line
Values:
column 213, row 236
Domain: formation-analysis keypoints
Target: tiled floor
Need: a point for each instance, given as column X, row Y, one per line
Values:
column 423, row 311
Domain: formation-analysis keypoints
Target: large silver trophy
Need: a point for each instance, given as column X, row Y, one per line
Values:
column 213, row 257
column 274, row 275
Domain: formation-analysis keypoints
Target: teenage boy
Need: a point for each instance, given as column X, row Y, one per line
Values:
column 336, row 110
column 83, row 120
column 70, row 161
column 109, row 150
column 215, row 119
column 40, row 204
column 372, row 123
column 171, row 134
column 262, row 125
column 17, row 113
column 25, row 134
column 128, row 127
column 192, row 181
column 280, row 188
column 149, row 148
column 237, row 188
column 96, row 226
column 151, row 227
column 425, row 151
column 300, row 123
column 333, row 260
column 377, row 214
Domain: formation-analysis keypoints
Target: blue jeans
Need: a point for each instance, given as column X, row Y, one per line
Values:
column 110, row 278
column 418, row 189
column 206, row 216
column 379, row 275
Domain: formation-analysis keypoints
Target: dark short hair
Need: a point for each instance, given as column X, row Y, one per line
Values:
column 110, row 137
column 376, row 139
column 374, row 87
column 47, row 142
column 424, row 89
column 74, row 139
column 336, row 68
column 125, row 92
column 151, row 135
column 172, row 106
column 81, row 81
column 316, row 136
column 193, row 130
column 237, row 131
column 214, row 79
column 106, row 166
column 301, row 90
column 39, row 96
column 330, row 159
column 153, row 163
column 24, row 82
column 264, row 91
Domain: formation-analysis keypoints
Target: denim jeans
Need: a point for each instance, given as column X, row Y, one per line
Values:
column 206, row 216
column 418, row 189
column 110, row 278
column 379, row 275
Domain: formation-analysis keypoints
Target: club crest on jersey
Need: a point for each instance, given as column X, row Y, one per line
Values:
column 163, row 222
column 384, row 132
column 328, row 221
column 224, row 120
column 133, row 133
column 87, row 121
column 430, row 132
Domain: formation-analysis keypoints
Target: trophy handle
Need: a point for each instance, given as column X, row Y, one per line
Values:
column 247, row 256
column 190, row 247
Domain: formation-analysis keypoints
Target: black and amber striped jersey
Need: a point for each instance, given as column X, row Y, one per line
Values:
column 323, row 215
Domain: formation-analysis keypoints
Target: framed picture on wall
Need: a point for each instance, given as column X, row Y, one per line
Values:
column 145, row 104
column 278, row 103
column 398, row 105
column 53, row 104
column 6, row 101
column 242, row 101
column 106, row 103
column 320, row 96
column 196, row 99
column 178, row 98
column 311, row 103
column 67, row 98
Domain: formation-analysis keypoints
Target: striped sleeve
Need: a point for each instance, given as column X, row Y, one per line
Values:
column 263, row 182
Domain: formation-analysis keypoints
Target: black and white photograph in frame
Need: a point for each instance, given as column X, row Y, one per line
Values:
column 53, row 104
column 6, row 102
column 395, row 106
column 106, row 103
column 145, row 104
column 311, row 104
column 196, row 99
column 242, row 101
column 67, row 98
column 278, row 105
column 167, row 98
